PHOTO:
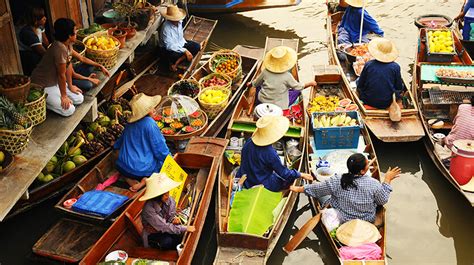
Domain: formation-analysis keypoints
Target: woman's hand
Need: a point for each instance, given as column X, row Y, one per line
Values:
column 191, row 228
column 104, row 70
column 93, row 78
column 74, row 89
column 65, row 102
column 299, row 189
column 307, row 176
column 392, row 174
column 311, row 83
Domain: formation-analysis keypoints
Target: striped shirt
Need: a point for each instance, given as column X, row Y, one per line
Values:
column 352, row 203
column 463, row 128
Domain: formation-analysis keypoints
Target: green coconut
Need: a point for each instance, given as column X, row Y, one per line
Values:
column 79, row 160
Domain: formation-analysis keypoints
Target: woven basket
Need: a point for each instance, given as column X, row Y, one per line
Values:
column 107, row 58
column 80, row 48
column 193, row 81
column 36, row 110
column 222, row 76
column 15, row 141
column 16, row 94
column 213, row 109
column 223, row 55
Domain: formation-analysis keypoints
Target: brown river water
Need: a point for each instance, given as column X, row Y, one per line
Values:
column 428, row 222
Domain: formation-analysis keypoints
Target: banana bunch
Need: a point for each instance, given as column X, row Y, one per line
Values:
column 323, row 104
column 334, row 121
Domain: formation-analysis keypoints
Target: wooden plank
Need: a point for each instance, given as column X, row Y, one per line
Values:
column 409, row 129
column 8, row 46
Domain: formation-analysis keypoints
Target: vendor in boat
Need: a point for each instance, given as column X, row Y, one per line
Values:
column 355, row 195
column 463, row 128
column 381, row 77
column 276, row 84
column 161, row 227
column 173, row 45
column 349, row 29
column 465, row 7
column 142, row 147
column 260, row 161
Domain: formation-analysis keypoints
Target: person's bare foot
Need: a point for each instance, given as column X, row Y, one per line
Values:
column 139, row 185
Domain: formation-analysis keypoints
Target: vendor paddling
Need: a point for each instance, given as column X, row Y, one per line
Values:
column 348, row 31
column 463, row 128
column 260, row 161
column 142, row 147
column 381, row 77
column 465, row 7
column 173, row 45
column 275, row 83
column 161, row 227
column 355, row 195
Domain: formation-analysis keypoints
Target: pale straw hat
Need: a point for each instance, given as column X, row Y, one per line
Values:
column 158, row 184
column 357, row 232
column 383, row 50
column 468, row 186
column 141, row 105
column 280, row 59
column 172, row 13
column 355, row 3
column 270, row 129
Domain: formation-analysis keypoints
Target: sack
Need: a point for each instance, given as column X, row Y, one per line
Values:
column 330, row 219
column 394, row 111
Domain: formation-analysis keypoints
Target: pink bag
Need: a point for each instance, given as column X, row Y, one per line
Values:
column 370, row 251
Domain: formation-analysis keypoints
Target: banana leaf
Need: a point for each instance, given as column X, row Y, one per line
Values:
column 252, row 209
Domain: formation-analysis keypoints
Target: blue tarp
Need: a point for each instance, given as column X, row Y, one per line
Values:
column 96, row 202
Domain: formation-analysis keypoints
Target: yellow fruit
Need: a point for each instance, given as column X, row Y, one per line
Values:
column 2, row 157
column 94, row 47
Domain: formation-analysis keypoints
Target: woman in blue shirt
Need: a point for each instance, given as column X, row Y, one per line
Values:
column 260, row 161
column 349, row 29
column 380, row 78
column 467, row 4
column 142, row 147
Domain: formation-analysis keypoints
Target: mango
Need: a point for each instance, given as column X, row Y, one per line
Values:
column 2, row 157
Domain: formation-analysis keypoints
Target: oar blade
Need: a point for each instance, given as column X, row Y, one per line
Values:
column 302, row 233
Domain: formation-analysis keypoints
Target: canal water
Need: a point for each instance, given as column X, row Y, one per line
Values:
column 428, row 221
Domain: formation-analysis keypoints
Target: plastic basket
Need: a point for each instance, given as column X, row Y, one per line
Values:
column 16, row 94
column 213, row 109
column 15, row 141
column 36, row 110
column 343, row 137
column 107, row 58
column 222, row 76
column 220, row 57
column 194, row 82
column 439, row 56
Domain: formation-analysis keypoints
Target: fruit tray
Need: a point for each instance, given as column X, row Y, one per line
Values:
column 456, row 80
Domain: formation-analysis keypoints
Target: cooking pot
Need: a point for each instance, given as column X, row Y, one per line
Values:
column 462, row 161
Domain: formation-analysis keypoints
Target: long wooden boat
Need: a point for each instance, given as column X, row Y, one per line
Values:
column 407, row 130
column 467, row 44
column 239, row 247
column 332, row 84
column 249, row 65
column 125, row 232
column 234, row 6
column 431, row 110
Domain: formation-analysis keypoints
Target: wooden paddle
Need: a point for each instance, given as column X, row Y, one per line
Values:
column 252, row 96
column 302, row 234
column 125, row 87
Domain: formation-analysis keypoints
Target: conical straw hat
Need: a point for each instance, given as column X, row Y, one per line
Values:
column 157, row 185
column 172, row 13
column 355, row 3
column 383, row 50
column 357, row 232
column 141, row 105
column 270, row 129
column 280, row 59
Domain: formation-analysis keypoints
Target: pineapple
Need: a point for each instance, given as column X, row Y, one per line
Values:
column 16, row 115
column 5, row 121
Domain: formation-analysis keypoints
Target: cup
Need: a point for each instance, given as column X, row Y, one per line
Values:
column 179, row 248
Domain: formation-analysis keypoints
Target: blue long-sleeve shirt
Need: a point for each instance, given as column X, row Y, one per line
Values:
column 262, row 165
column 377, row 83
column 172, row 37
column 142, row 148
column 469, row 4
column 351, row 23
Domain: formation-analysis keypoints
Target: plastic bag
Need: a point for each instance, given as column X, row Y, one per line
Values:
column 330, row 218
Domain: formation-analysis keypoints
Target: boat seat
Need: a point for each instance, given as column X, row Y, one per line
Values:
column 137, row 226
column 153, row 253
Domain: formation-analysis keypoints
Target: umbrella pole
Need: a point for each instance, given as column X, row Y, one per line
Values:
column 362, row 22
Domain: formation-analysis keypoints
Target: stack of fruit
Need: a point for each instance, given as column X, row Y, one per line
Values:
column 12, row 117
column 181, row 123
column 323, row 104
column 188, row 88
column 102, row 43
column 11, row 81
column 227, row 62
column 93, row 28
column 446, row 72
column 440, row 41
column 216, row 80
column 333, row 120
column 211, row 96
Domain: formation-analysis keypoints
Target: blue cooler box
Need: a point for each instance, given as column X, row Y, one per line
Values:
column 343, row 137
column 468, row 19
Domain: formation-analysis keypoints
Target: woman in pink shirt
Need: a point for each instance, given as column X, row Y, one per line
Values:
column 463, row 124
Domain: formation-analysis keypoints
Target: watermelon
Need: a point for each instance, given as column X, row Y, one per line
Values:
column 195, row 114
column 167, row 131
column 339, row 109
column 188, row 129
column 351, row 107
column 344, row 102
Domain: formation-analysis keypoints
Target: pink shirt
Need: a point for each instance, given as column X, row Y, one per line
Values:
column 463, row 125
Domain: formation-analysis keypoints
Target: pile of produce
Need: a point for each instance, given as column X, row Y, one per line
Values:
column 215, row 81
column 34, row 95
column 181, row 123
column 211, row 96
column 186, row 88
column 336, row 120
column 440, row 41
column 359, row 50
column 447, row 72
column 12, row 117
column 12, row 81
column 102, row 43
column 93, row 28
column 225, row 64
column 360, row 63
column 323, row 104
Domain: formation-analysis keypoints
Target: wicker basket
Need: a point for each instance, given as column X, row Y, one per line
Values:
column 80, row 48
column 36, row 110
column 16, row 94
column 224, row 55
column 213, row 109
column 15, row 141
column 193, row 81
column 219, row 75
column 107, row 58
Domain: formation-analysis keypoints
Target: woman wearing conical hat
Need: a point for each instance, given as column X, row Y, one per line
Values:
column 142, row 147
column 277, row 84
column 260, row 161
column 348, row 31
column 161, row 227
column 173, row 45
column 381, row 77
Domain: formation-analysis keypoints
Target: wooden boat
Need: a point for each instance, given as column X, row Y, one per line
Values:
column 332, row 84
column 240, row 247
column 430, row 110
column 125, row 232
column 234, row 6
column 407, row 130
column 467, row 44
column 249, row 65
column 98, row 175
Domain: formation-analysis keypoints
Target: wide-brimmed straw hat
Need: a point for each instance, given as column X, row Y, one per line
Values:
column 172, row 13
column 158, row 184
column 355, row 3
column 383, row 50
column 141, row 105
column 280, row 59
column 357, row 232
column 270, row 129
column 468, row 186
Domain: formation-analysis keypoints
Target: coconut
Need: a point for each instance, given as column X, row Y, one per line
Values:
column 79, row 159
column 77, row 152
column 104, row 120
column 93, row 126
column 68, row 166
column 112, row 108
